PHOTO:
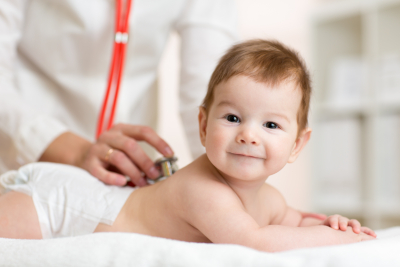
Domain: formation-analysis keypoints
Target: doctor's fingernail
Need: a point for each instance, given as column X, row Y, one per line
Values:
column 142, row 182
column 154, row 173
column 168, row 151
column 120, row 181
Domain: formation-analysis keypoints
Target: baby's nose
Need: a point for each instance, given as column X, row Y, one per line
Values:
column 248, row 136
column 243, row 141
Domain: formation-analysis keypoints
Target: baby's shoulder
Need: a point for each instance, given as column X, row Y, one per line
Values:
column 270, row 192
column 200, row 178
column 206, row 186
column 272, row 199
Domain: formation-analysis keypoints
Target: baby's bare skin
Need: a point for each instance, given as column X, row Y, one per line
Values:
column 158, row 210
column 164, row 209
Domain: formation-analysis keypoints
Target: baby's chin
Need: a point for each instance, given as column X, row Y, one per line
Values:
column 240, row 171
column 244, row 177
column 247, row 171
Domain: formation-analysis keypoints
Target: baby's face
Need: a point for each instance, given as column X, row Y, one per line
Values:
column 251, row 128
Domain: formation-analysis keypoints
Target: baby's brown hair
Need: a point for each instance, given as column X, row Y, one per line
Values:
column 265, row 61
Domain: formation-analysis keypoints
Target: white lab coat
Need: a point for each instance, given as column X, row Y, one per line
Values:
column 55, row 57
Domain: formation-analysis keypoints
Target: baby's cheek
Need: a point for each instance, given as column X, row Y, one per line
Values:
column 216, row 137
column 213, row 144
column 278, row 157
column 215, row 147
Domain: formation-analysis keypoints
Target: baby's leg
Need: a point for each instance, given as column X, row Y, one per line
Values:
column 18, row 217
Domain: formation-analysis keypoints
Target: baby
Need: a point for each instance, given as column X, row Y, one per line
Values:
column 252, row 122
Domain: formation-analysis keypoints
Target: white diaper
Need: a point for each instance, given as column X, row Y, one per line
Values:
column 68, row 200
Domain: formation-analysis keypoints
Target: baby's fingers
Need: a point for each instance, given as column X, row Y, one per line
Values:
column 332, row 221
column 367, row 231
column 343, row 222
column 355, row 225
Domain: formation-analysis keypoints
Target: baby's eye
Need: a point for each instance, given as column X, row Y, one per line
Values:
column 232, row 118
column 271, row 125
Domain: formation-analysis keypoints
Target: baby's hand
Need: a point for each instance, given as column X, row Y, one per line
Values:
column 367, row 231
column 339, row 222
column 349, row 236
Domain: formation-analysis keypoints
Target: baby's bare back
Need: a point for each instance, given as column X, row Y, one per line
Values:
column 160, row 209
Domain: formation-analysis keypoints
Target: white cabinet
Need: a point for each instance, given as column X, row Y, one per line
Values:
column 355, row 111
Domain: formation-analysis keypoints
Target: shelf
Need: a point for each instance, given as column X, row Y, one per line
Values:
column 327, row 111
column 355, row 210
column 390, row 209
column 387, row 108
column 335, row 11
column 356, row 109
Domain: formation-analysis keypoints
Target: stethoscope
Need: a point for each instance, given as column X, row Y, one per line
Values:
column 106, row 116
column 105, row 121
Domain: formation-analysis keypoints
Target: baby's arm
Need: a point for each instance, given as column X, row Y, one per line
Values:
column 294, row 217
column 216, row 211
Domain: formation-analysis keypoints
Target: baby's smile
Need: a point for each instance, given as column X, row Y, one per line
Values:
column 247, row 155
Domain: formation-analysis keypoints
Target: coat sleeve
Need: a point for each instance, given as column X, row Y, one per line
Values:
column 24, row 132
column 207, row 29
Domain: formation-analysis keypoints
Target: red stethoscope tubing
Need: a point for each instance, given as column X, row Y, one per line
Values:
column 107, row 113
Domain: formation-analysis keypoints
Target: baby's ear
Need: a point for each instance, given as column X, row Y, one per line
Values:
column 300, row 143
column 202, row 125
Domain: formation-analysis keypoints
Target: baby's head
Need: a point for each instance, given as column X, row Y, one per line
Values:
column 256, row 108
column 264, row 61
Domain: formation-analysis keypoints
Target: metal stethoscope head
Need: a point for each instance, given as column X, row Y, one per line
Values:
column 166, row 166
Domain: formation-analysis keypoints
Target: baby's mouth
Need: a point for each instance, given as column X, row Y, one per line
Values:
column 246, row 155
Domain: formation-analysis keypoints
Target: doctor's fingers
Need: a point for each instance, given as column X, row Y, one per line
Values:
column 96, row 166
column 95, row 163
column 98, row 162
column 123, row 164
column 106, row 176
column 134, row 153
column 147, row 134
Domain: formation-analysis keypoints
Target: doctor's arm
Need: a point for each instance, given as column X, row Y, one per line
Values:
column 24, row 131
column 207, row 28
column 27, row 134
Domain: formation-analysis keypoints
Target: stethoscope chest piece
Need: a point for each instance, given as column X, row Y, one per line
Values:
column 166, row 166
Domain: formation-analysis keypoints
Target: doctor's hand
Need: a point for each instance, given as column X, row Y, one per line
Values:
column 113, row 156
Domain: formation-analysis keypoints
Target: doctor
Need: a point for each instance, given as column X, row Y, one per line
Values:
column 54, row 61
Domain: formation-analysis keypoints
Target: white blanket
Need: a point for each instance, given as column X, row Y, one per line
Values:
column 123, row 249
